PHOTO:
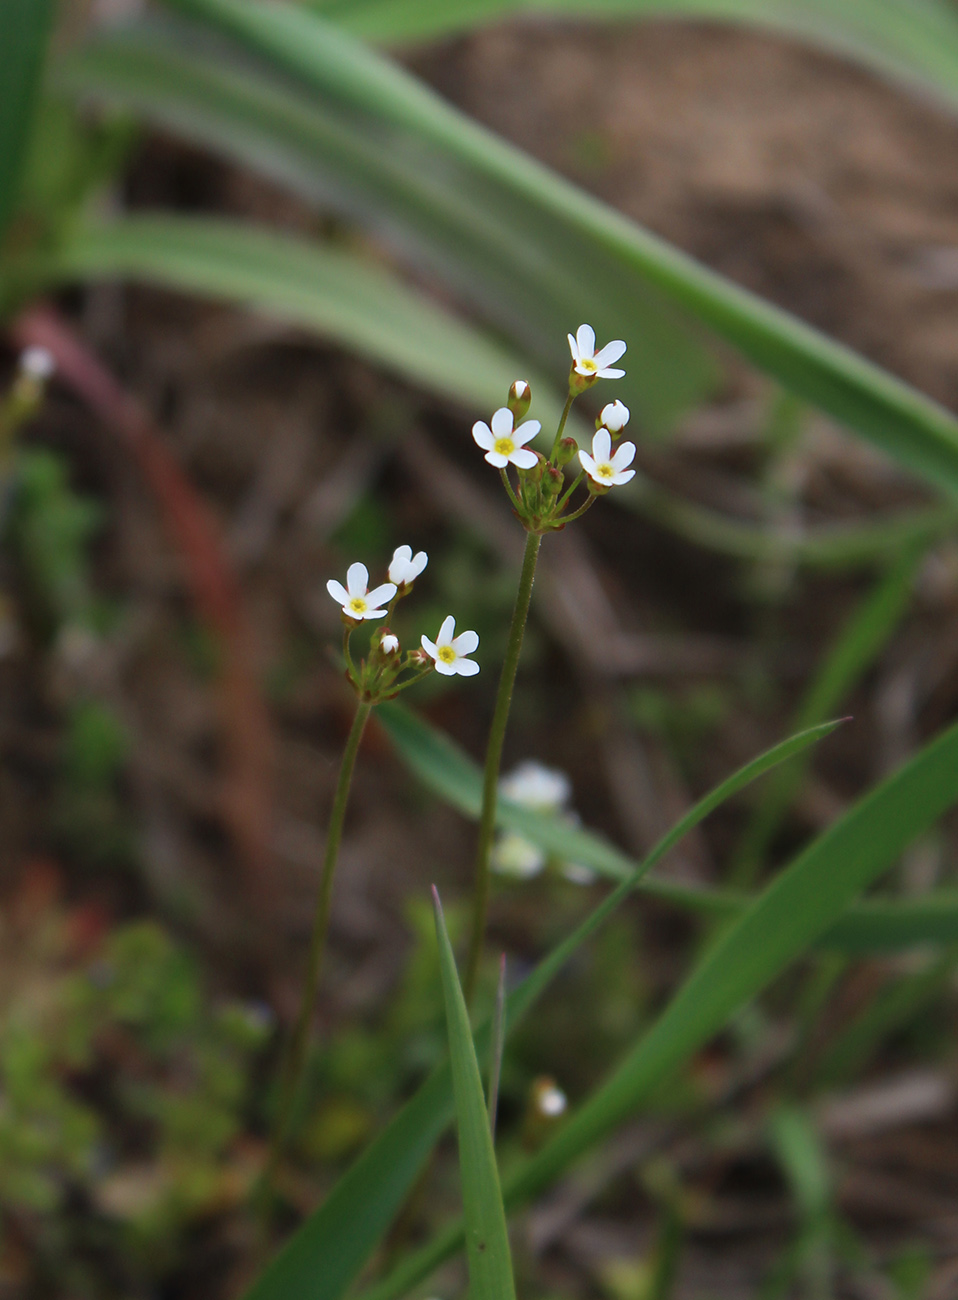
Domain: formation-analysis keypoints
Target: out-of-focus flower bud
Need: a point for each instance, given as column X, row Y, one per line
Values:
column 520, row 398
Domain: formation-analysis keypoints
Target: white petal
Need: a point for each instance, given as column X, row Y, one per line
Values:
column 602, row 445
column 524, row 458
column 483, row 435
column 429, row 646
column 609, row 373
column 337, row 591
column 520, row 388
column 496, row 458
column 585, row 338
column 611, row 352
column 465, row 643
column 465, row 667
column 357, row 579
column 623, row 476
column 573, row 347
column 382, row 595
column 399, row 564
column 502, row 422
column 624, row 456
column 416, row 565
column 446, row 632
column 375, row 613
column 444, row 669
column 587, row 463
column 526, row 432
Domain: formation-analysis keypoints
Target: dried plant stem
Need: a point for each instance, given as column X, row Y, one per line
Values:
column 295, row 1061
column 490, row 784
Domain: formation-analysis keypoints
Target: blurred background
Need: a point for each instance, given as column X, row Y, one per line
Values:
column 172, row 709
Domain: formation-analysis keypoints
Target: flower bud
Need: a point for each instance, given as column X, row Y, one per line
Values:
column 567, row 448
column 552, row 480
column 613, row 417
column 389, row 642
column 37, row 364
column 520, row 398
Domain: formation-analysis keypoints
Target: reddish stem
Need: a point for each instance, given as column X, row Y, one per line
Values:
column 216, row 593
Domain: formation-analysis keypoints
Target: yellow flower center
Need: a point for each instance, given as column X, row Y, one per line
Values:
column 504, row 446
column 587, row 366
column 358, row 605
column 447, row 654
column 605, row 471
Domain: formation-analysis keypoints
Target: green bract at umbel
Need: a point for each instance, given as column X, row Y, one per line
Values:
column 379, row 676
column 540, row 498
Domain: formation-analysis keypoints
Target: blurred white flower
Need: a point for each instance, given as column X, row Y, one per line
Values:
column 615, row 416
column 594, row 365
column 516, row 857
column 448, row 650
column 406, row 567
column 535, row 786
column 355, row 598
column 37, row 363
column 602, row 466
column 503, row 443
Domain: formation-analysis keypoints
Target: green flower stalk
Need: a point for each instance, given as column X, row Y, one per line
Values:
column 542, row 504
column 379, row 675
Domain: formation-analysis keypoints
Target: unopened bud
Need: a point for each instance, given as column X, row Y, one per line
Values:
column 552, row 480
column 613, row 417
column 567, row 448
column 520, row 398
column 389, row 643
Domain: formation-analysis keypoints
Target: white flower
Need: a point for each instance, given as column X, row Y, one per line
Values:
column 602, row 466
column 594, row 365
column 517, row 857
column 37, row 363
column 406, row 567
column 615, row 416
column 504, row 444
column 551, row 1101
column 355, row 599
column 577, row 873
column 535, row 786
column 449, row 651
column 389, row 644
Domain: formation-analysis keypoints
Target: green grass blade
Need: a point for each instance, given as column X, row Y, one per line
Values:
column 528, row 238
column 345, row 1230
column 782, row 923
column 860, row 641
column 334, row 293
column 914, row 41
column 487, row 1238
column 24, row 31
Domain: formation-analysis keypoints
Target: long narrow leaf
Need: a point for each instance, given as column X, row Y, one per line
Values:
column 324, row 1257
column 24, row 29
column 335, row 293
column 392, row 148
column 782, row 923
column 910, row 427
column 487, row 1238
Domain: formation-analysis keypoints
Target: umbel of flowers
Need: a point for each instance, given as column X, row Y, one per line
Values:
column 386, row 670
column 540, row 497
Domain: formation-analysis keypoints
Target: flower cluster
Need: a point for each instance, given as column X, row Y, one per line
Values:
column 540, row 497
column 379, row 676
column 544, row 790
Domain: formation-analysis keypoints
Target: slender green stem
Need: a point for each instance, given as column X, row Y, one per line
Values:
column 350, row 666
column 577, row 514
column 411, row 681
column 508, row 486
column 490, row 783
column 561, row 429
column 568, row 492
column 299, row 1041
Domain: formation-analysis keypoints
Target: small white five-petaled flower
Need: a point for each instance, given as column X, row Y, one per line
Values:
column 604, row 468
column 449, row 651
column 406, row 567
column 614, row 417
column 503, row 443
column 594, row 365
column 355, row 599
